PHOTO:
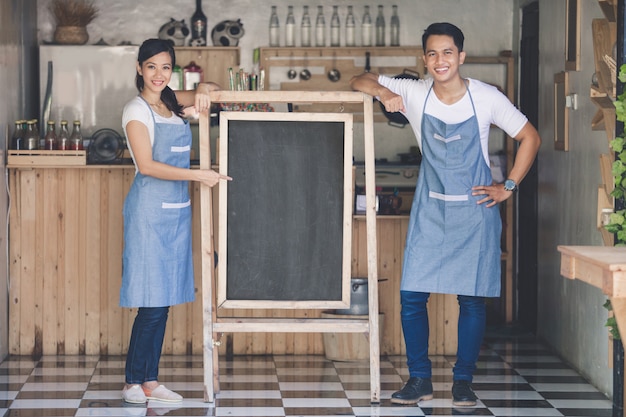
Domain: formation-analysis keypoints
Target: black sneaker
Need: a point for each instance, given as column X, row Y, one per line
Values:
column 462, row 394
column 416, row 389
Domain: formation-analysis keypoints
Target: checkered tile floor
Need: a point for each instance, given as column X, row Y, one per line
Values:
column 517, row 377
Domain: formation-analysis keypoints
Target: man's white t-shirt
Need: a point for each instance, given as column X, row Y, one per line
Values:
column 492, row 107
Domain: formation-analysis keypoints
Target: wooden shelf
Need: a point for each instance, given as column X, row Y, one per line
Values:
column 214, row 61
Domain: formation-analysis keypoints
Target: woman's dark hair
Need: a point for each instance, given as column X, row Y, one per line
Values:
column 444, row 28
column 147, row 50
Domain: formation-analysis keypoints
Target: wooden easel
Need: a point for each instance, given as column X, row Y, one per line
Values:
column 213, row 324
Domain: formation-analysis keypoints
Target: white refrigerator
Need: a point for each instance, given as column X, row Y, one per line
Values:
column 90, row 83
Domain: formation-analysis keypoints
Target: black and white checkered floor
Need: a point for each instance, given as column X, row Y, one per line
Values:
column 516, row 377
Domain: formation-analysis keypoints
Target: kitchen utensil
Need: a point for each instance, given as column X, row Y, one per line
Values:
column 358, row 297
column 291, row 74
column 397, row 119
column 334, row 75
column 305, row 74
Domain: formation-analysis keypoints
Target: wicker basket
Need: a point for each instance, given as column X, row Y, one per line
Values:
column 71, row 35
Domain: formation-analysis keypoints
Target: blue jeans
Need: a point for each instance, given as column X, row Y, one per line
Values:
column 146, row 342
column 471, row 329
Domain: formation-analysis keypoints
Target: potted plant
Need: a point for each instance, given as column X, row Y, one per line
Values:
column 72, row 18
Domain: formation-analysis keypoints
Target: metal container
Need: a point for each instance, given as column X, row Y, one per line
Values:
column 358, row 298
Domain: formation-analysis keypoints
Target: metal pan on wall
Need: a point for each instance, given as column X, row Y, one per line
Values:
column 397, row 119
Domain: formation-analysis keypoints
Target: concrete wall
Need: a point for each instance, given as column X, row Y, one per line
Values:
column 572, row 316
column 18, row 50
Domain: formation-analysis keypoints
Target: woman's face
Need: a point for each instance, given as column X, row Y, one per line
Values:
column 156, row 72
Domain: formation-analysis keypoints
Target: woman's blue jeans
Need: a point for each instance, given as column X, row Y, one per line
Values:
column 146, row 342
column 471, row 329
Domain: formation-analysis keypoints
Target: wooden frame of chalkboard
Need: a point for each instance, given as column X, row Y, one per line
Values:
column 213, row 325
column 285, row 229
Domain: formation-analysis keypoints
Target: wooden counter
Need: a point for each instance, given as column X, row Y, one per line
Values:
column 65, row 252
column 603, row 267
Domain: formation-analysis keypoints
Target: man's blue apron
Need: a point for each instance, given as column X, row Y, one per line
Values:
column 157, row 260
column 453, row 244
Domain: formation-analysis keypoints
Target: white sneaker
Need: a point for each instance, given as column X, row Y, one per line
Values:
column 134, row 395
column 161, row 393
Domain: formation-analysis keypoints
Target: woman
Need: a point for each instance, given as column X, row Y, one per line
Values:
column 157, row 259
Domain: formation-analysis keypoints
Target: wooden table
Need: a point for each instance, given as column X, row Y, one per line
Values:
column 603, row 267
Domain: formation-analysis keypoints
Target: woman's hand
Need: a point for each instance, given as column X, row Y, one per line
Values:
column 202, row 101
column 209, row 177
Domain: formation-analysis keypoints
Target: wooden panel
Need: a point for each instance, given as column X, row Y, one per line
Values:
column 79, row 213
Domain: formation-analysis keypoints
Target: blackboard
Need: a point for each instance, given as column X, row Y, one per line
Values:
column 285, row 208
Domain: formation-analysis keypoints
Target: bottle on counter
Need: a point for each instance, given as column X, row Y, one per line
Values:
column 305, row 27
column 31, row 138
column 198, row 26
column 50, row 140
column 274, row 28
column 76, row 138
column 320, row 27
column 176, row 80
column 394, row 35
column 335, row 27
column 290, row 28
column 63, row 138
column 350, row 24
column 380, row 27
column 192, row 76
column 366, row 27
column 17, row 139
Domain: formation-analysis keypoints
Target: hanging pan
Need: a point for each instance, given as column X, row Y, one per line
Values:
column 397, row 119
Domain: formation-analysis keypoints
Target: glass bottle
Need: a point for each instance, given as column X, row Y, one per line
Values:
column 17, row 140
column 176, row 80
column 192, row 76
column 76, row 139
column 290, row 28
column 63, row 138
column 366, row 28
column 50, row 140
column 380, row 27
column 38, row 137
column 305, row 27
column 31, row 138
column 320, row 27
column 335, row 27
column 395, row 27
column 198, row 25
column 350, row 23
column 274, row 28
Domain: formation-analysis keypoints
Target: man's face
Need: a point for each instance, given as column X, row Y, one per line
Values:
column 442, row 58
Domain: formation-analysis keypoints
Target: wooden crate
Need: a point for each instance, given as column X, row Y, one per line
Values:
column 39, row 158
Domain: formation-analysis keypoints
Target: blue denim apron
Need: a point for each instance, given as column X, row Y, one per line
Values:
column 453, row 244
column 157, row 259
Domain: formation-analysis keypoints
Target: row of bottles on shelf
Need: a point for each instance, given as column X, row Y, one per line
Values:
column 370, row 34
column 26, row 136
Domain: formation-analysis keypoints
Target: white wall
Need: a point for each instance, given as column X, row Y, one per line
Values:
column 125, row 21
column 572, row 316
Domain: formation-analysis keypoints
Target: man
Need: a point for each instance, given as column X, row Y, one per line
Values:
column 453, row 240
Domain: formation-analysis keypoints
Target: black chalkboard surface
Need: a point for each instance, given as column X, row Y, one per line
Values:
column 285, row 210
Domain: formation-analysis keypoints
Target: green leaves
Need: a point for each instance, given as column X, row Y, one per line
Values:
column 611, row 323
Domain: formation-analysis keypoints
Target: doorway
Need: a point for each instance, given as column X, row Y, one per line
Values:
column 527, row 213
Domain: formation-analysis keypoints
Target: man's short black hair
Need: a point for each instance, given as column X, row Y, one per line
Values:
column 444, row 28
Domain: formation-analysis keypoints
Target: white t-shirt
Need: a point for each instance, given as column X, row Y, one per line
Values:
column 492, row 107
column 137, row 109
